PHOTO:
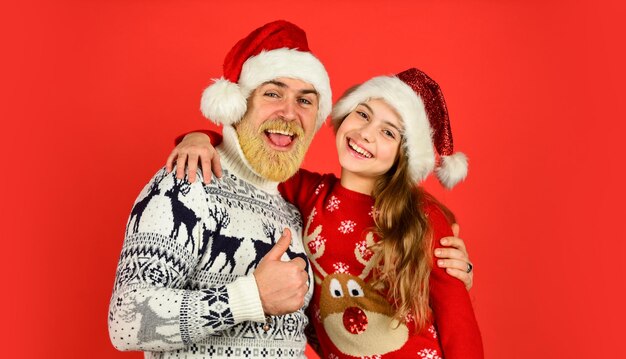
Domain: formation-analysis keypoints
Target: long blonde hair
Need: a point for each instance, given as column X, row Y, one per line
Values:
column 405, row 249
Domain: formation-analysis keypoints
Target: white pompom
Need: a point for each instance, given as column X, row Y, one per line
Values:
column 223, row 103
column 453, row 169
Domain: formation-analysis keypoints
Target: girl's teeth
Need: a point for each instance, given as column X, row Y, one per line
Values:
column 359, row 150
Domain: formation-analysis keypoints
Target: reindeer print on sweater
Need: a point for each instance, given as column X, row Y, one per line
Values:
column 184, row 285
column 352, row 319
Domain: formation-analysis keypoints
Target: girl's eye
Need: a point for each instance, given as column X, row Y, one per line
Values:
column 389, row 133
column 362, row 114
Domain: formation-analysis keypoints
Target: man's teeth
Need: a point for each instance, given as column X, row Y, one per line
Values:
column 285, row 133
column 359, row 150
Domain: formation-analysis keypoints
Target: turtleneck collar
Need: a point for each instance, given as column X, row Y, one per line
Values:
column 233, row 159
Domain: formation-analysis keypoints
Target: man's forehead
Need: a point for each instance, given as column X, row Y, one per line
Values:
column 291, row 83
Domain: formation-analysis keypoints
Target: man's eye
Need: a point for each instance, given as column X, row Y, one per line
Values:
column 305, row 101
column 271, row 94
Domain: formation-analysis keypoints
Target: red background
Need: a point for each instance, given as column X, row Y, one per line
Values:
column 93, row 93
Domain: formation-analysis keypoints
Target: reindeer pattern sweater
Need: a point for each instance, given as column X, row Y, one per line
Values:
column 351, row 319
column 184, row 286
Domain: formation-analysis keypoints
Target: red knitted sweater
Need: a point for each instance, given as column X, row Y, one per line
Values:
column 351, row 319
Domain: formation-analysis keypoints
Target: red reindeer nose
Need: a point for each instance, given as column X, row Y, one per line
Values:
column 354, row 320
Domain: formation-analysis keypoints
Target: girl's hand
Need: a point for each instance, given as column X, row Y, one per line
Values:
column 455, row 258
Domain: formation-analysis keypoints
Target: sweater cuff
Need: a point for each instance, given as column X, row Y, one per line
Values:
column 245, row 301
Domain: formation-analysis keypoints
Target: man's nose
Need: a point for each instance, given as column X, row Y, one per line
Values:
column 289, row 110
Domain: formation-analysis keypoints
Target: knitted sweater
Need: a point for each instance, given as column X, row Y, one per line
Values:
column 184, row 286
column 353, row 320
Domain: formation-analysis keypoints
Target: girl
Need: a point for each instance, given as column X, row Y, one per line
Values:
column 369, row 234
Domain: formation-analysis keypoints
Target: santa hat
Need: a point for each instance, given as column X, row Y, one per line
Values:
column 419, row 101
column 277, row 49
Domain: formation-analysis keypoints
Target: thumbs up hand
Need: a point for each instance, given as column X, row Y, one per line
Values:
column 282, row 284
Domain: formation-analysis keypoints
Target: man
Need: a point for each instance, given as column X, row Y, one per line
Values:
column 201, row 272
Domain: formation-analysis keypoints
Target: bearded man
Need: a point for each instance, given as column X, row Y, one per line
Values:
column 203, row 272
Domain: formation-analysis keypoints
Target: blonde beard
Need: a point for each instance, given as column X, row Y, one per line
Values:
column 265, row 161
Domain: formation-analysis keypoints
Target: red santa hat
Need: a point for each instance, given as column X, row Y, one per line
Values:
column 419, row 101
column 277, row 49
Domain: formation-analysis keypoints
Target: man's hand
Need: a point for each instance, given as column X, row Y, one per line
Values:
column 455, row 258
column 195, row 149
column 282, row 285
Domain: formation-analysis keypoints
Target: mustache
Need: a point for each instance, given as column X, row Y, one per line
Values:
column 277, row 124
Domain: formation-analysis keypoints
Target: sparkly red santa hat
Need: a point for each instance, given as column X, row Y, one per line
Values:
column 277, row 49
column 419, row 101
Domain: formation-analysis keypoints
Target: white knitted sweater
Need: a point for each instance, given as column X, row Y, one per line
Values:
column 184, row 286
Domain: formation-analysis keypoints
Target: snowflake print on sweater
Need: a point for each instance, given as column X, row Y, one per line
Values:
column 428, row 354
column 340, row 267
column 363, row 249
column 432, row 331
column 333, row 204
column 373, row 212
column 352, row 319
column 347, row 226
